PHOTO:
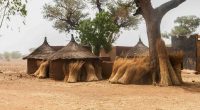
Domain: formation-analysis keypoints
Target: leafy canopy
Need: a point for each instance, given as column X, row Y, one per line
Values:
column 99, row 32
column 186, row 25
column 122, row 12
column 66, row 14
column 9, row 8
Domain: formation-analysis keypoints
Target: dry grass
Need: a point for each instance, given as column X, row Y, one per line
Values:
column 42, row 71
column 91, row 73
column 74, row 71
column 132, row 71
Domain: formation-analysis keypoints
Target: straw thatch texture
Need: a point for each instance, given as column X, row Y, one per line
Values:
column 67, row 64
column 41, row 52
column 74, row 71
column 136, row 70
column 138, row 50
column 73, row 51
column 133, row 71
column 43, row 70
column 37, row 56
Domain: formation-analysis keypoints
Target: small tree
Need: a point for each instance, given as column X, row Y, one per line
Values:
column 99, row 32
column 186, row 25
column 11, row 7
column 15, row 55
column 6, row 56
column 66, row 14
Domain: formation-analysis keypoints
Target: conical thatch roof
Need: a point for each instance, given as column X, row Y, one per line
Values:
column 73, row 51
column 138, row 50
column 41, row 52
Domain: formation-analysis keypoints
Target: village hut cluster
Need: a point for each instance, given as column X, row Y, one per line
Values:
column 73, row 63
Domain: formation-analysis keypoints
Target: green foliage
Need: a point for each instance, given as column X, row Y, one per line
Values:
column 186, row 25
column 122, row 12
column 1, row 56
column 6, row 56
column 99, row 32
column 9, row 8
column 15, row 55
column 10, row 55
column 66, row 14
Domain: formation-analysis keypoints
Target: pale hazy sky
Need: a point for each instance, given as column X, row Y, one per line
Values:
column 32, row 34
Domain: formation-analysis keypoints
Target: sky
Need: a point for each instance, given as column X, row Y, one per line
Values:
column 19, row 37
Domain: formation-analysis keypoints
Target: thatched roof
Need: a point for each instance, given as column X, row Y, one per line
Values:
column 138, row 50
column 42, row 52
column 56, row 48
column 73, row 51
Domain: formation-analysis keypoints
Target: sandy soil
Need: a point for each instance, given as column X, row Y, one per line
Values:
column 19, row 91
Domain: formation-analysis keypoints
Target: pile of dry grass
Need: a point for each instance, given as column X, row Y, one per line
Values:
column 74, row 71
column 176, row 59
column 42, row 71
column 81, row 71
column 137, row 70
column 127, row 71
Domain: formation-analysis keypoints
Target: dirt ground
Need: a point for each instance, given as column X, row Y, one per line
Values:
column 19, row 91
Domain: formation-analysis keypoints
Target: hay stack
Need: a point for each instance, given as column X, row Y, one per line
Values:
column 176, row 59
column 74, row 71
column 132, row 71
column 80, row 71
column 42, row 71
column 137, row 71
column 91, row 74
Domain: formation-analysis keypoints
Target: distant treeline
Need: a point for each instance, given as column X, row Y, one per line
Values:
column 10, row 55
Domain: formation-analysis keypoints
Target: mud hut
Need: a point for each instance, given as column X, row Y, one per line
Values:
column 74, row 63
column 38, row 56
column 139, row 50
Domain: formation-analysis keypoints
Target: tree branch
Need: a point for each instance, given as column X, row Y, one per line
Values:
column 144, row 8
column 164, row 8
column 98, row 3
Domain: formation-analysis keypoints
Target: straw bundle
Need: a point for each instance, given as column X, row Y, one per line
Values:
column 176, row 59
column 66, row 71
column 42, row 71
column 132, row 71
column 91, row 75
column 74, row 69
column 98, row 70
column 117, row 63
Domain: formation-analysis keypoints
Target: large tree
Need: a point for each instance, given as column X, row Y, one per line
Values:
column 160, row 63
column 11, row 7
column 66, row 14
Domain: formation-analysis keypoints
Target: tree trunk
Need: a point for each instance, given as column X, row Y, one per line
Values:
column 160, row 63
column 158, row 54
column 153, row 32
column 97, row 49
